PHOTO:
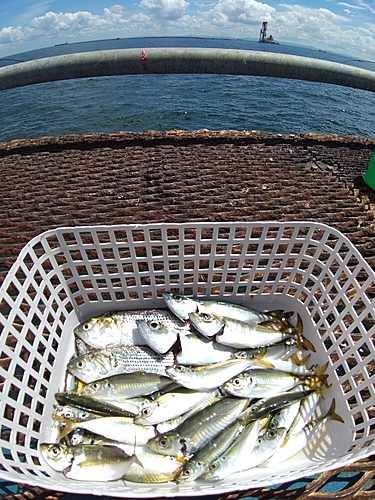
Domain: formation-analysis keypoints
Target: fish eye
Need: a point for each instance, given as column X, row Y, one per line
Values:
column 95, row 386
column 236, row 382
column 206, row 316
column 214, row 466
column 81, row 363
column 86, row 327
column 163, row 442
column 54, row 451
column 68, row 414
column 180, row 368
column 187, row 472
column 271, row 433
column 154, row 324
column 146, row 412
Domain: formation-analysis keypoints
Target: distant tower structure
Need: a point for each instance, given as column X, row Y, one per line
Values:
column 263, row 38
column 263, row 32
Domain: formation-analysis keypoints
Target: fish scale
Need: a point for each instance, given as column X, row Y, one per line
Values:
column 120, row 328
column 103, row 363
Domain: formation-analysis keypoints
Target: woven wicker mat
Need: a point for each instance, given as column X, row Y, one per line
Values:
column 181, row 176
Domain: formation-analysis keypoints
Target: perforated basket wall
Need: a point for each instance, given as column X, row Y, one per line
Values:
column 65, row 276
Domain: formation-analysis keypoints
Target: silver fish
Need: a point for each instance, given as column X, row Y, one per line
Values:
column 282, row 419
column 264, row 406
column 246, row 335
column 210, row 398
column 152, row 467
column 193, row 342
column 279, row 351
column 168, row 406
column 87, row 462
column 182, row 306
column 307, row 409
column 104, row 363
column 71, row 412
column 208, row 376
column 236, row 455
column 88, row 403
column 120, row 429
column 296, row 442
column 158, row 335
column 80, row 436
column 199, row 429
column 237, row 333
column 127, row 385
column 239, row 457
column 120, row 328
column 201, row 460
column 257, row 383
column 275, row 355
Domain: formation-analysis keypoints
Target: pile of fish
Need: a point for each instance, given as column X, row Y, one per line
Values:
column 201, row 389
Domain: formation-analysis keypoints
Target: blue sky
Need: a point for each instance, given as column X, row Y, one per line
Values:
column 338, row 26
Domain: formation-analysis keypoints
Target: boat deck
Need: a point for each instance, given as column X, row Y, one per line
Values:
column 179, row 176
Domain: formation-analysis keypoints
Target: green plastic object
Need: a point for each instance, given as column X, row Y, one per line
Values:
column 369, row 176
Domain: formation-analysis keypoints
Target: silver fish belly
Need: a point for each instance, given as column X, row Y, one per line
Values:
column 120, row 328
column 110, row 361
column 87, row 462
column 181, row 306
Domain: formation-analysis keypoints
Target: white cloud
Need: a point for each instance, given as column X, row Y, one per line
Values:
column 166, row 9
column 11, row 34
column 317, row 27
column 241, row 11
column 322, row 28
column 52, row 25
column 351, row 6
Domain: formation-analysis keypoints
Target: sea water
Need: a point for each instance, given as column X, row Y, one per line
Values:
column 188, row 102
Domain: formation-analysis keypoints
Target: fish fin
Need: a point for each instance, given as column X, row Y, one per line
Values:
column 259, row 359
column 300, row 362
column 320, row 370
column 80, row 386
column 220, row 332
column 135, row 460
column 321, row 388
column 68, row 427
column 332, row 414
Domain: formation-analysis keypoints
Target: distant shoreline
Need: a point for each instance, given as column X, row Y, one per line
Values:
column 158, row 37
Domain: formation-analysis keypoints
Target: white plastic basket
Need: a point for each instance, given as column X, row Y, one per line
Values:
column 67, row 275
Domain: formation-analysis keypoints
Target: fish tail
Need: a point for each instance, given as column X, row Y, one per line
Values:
column 302, row 342
column 320, row 370
column 317, row 380
column 281, row 314
column 332, row 413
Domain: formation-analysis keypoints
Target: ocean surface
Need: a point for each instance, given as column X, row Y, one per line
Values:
column 189, row 102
